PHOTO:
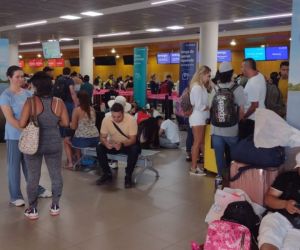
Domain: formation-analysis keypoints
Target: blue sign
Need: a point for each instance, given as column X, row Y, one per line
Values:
column 140, row 75
column 4, row 59
column 188, row 62
column 224, row 56
column 163, row 58
column 277, row 53
column 258, row 54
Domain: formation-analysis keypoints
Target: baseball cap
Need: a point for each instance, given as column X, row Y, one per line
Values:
column 225, row 67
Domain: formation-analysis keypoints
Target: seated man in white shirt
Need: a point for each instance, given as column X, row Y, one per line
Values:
column 168, row 133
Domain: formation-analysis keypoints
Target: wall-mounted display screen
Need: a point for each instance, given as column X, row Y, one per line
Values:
column 224, row 56
column 277, row 53
column 258, row 53
column 175, row 58
column 51, row 50
column 163, row 58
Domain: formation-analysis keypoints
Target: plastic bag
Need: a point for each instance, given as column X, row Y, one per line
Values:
column 272, row 131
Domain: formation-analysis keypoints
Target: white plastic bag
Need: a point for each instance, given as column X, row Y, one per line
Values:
column 272, row 131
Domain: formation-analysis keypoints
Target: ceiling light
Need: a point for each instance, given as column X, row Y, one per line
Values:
column 117, row 56
column 39, row 55
column 91, row 13
column 51, row 40
column 162, row 2
column 290, row 39
column 93, row 57
column 154, row 30
column 20, row 56
column 262, row 45
column 262, row 17
column 30, row 43
column 113, row 51
column 233, row 42
column 31, row 24
column 70, row 17
column 66, row 39
column 114, row 34
column 175, row 27
column 61, row 54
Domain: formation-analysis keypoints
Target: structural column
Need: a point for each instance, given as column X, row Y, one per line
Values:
column 209, row 45
column 13, row 54
column 293, row 104
column 86, row 56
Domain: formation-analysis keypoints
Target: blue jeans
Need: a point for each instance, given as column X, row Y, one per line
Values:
column 219, row 143
column 15, row 159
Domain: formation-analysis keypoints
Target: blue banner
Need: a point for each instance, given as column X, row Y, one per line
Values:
column 188, row 63
column 4, row 59
column 140, row 75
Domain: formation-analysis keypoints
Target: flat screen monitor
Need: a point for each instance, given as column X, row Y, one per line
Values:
column 277, row 53
column 258, row 53
column 74, row 61
column 163, row 58
column 224, row 56
column 51, row 50
column 128, row 59
column 105, row 60
column 175, row 58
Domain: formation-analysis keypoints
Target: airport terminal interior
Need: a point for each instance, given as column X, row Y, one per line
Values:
column 145, row 54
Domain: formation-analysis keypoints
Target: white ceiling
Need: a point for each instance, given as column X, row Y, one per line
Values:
column 131, row 15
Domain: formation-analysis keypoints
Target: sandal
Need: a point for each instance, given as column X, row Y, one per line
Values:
column 68, row 166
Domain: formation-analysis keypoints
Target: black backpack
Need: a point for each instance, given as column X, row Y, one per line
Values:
column 59, row 88
column 274, row 100
column 242, row 212
column 224, row 111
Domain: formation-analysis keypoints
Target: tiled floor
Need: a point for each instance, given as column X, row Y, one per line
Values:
column 156, row 215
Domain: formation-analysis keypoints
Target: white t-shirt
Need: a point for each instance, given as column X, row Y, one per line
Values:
column 255, row 91
column 171, row 130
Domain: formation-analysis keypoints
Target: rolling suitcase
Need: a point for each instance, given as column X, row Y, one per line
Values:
column 255, row 182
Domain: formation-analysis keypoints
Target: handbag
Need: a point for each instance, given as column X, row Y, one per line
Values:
column 29, row 139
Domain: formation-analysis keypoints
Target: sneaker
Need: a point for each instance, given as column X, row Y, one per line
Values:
column 31, row 213
column 46, row 194
column 18, row 203
column 54, row 210
column 197, row 171
column 104, row 179
column 188, row 158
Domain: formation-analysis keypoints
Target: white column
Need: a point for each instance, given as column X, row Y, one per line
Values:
column 209, row 45
column 13, row 54
column 86, row 56
column 293, row 104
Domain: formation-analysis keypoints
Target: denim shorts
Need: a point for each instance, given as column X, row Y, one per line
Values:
column 81, row 142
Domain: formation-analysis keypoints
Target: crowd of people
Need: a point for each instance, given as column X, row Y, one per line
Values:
column 66, row 113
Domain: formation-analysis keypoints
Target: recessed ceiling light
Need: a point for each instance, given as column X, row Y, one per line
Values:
column 30, row 43
column 290, row 39
column 113, row 51
column 117, row 56
column 51, row 40
column 70, row 17
column 66, row 39
column 175, row 27
column 20, row 56
column 91, row 13
column 31, row 24
column 233, row 42
column 262, row 45
column 162, row 2
column 154, row 30
column 93, row 57
column 39, row 55
column 61, row 54
column 262, row 17
column 114, row 34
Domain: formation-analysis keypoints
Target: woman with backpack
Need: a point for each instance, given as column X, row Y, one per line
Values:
column 199, row 100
